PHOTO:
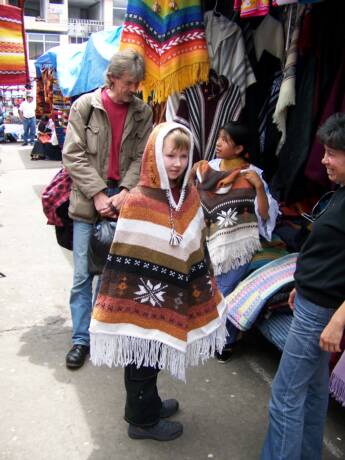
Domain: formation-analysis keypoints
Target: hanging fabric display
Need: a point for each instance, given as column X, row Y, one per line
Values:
column 227, row 52
column 13, row 64
column 287, row 93
column 171, row 37
column 205, row 113
column 250, row 8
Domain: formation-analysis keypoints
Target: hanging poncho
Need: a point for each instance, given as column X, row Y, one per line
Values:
column 171, row 37
column 13, row 62
column 228, row 202
column 158, row 303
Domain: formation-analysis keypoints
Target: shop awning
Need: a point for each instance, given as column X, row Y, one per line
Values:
column 80, row 68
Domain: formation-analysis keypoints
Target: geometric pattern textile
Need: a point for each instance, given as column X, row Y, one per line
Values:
column 171, row 38
column 13, row 64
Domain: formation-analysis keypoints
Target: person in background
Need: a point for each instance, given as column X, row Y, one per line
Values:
column 158, row 306
column 45, row 129
column 300, row 390
column 27, row 114
column 238, row 210
column 106, row 136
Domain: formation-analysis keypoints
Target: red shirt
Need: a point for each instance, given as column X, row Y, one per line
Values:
column 117, row 116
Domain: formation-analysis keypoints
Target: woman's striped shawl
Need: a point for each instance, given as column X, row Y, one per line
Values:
column 13, row 64
column 158, row 304
column 172, row 42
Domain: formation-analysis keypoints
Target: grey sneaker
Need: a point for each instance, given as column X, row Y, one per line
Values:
column 169, row 408
column 164, row 430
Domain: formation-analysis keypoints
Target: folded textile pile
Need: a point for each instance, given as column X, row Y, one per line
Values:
column 247, row 300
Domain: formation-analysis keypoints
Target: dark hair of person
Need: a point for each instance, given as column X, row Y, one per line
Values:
column 238, row 132
column 44, row 118
column 332, row 132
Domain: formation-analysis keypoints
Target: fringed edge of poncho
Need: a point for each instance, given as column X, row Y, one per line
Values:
column 188, row 75
column 122, row 350
column 231, row 256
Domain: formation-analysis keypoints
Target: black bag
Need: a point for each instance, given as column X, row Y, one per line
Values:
column 102, row 236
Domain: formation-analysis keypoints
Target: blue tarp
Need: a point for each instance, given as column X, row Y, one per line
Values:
column 80, row 68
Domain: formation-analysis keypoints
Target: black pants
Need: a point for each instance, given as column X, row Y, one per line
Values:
column 143, row 403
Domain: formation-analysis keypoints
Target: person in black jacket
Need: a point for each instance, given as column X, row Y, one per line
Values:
column 298, row 407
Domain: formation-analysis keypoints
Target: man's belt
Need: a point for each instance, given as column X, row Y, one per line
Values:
column 111, row 183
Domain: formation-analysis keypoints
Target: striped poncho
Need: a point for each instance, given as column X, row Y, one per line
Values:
column 171, row 37
column 158, row 303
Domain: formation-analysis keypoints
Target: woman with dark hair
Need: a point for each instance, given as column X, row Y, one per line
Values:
column 44, row 132
column 300, row 390
column 238, row 209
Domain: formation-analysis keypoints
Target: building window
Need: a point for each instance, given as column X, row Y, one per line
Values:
column 119, row 12
column 77, row 40
column 40, row 43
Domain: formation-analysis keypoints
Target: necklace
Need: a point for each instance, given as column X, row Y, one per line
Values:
column 175, row 237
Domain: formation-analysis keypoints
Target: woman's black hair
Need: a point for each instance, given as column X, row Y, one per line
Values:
column 238, row 132
column 332, row 132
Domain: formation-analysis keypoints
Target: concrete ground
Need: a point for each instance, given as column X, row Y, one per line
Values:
column 49, row 412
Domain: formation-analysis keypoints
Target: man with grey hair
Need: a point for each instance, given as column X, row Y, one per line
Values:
column 105, row 139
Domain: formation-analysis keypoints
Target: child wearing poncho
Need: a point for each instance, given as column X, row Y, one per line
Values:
column 238, row 209
column 158, row 305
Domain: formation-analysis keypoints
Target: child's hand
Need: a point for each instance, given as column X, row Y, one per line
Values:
column 253, row 178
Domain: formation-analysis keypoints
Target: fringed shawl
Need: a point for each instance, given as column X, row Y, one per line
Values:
column 228, row 203
column 158, row 304
column 171, row 37
column 337, row 381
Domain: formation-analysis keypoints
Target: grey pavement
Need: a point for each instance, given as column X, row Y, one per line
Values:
column 49, row 412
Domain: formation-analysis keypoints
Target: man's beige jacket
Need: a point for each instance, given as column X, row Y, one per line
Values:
column 86, row 150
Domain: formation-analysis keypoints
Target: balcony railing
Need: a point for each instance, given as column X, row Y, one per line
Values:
column 84, row 27
column 74, row 27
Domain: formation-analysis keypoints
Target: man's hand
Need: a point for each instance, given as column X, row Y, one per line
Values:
column 103, row 204
column 116, row 201
column 291, row 300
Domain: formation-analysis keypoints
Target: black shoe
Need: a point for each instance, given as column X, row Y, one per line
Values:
column 225, row 355
column 24, row 143
column 169, row 408
column 75, row 358
column 164, row 430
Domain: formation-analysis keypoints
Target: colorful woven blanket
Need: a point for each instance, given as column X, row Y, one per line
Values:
column 158, row 303
column 246, row 301
column 13, row 64
column 171, row 37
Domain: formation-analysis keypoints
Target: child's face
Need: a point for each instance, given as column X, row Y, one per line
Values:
column 226, row 147
column 175, row 161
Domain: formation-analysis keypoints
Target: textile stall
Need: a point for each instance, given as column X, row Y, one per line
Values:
column 65, row 72
column 278, row 65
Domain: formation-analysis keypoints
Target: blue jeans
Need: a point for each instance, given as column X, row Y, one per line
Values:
column 81, row 293
column 81, row 301
column 299, row 402
column 29, row 125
